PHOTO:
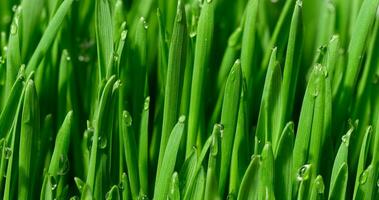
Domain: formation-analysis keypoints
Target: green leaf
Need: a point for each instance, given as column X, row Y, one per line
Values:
column 161, row 189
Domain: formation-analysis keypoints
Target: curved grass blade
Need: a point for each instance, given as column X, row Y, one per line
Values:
column 169, row 159
column 59, row 160
column 201, row 61
column 318, row 189
column 229, row 118
column 364, row 150
column 130, row 149
column 13, row 52
column 283, row 162
column 30, row 127
column 367, row 184
column 113, row 194
column 249, row 184
column 48, row 36
column 339, row 183
column 267, row 127
column 143, row 148
column 292, row 65
column 267, row 170
column 174, row 193
column 9, row 111
column 176, row 61
column 211, row 185
column 101, row 115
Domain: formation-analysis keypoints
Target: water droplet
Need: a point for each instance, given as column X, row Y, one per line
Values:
column 115, row 57
column 143, row 197
column 363, row 178
column 230, row 196
column 79, row 183
column 315, row 92
column 299, row 3
column 63, row 164
column 209, row 1
column 375, row 79
column 14, row 29
column 74, row 198
column 145, row 25
column 121, row 185
column 303, row 172
column 182, row 119
column 102, row 142
column 2, row 60
column 146, row 104
column 377, row 183
column 53, row 182
column 14, row 8
column 320, row 187
column 7, row 152
column 128, row 118
column 124, row 33
column 68, row 58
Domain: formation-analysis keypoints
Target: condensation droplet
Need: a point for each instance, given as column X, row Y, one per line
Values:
column 53, row 182
column 124, row 33
column 14, row 29
column 7, row 152
column 363, row 178
column 146, row 104
column 121, row 185
column 128, row 118
column 143, row 197
column 102, row 142
column 315, row 92
column 320, row 187
column 63, row 165
column 182, row 119
column 209, row 1
column 303, row 172
column 68, row 58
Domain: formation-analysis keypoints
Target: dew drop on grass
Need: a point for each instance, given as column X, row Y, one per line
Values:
column 63, row 165
column 124, row 33
column 315, row 92
column 345, row 138
column 102, row 142
column 209, row 1
column 146, row 104
column 68, row 58
column 143, row 197
column 303, row 172
column 182, row 119
column 128, row 118
column 14, row 29
column 179, row 15
column 53, row 182
column 121, row 186
column 7, row 152
column 320, row 187
column 363, row 178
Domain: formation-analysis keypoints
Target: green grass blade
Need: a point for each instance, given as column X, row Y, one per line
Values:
column 174, row 193
column 367, row 184
column 104, row 35
column 30, row 126
column 364, row 150
column 249, row 184
column 204, row 41
column 176, row 61
column 10, row 109
column 130, row 149
column 113, row 193
column 211, row 185
column 229, row 117
column 169, row 159
column 48, row 36
column 283, row 162
column 318, row 189
column 267, row 129
column 338, row 189
column 266, row 177
column 292, row 64
column 143, row 148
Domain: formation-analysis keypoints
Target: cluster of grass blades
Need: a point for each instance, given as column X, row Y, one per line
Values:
column 189, row 99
